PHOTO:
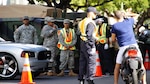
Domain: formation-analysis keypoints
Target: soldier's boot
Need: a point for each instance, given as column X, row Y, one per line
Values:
column 61, row 73
column 54, row 73
column 42, row 74
column 71, row 73
column 50, row 73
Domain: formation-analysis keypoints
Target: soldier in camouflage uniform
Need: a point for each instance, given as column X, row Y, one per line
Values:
column 26, row 33
column 49, row 33
column 67, row 40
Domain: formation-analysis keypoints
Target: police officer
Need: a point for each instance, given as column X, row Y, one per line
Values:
column 26, row 33
column 103, row 35
column 144, row 38
column 87, row 58
column 49, row 34
column 67, row 41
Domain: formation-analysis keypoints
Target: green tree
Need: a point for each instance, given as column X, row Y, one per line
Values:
column 110, row 5
column 139, row 6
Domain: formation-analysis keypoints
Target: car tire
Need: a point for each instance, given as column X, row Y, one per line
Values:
column 8, row 66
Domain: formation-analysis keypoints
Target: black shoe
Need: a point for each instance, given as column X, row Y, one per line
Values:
column 111, row 73
column 104, row 73
column 81, row 82
column 90, row 81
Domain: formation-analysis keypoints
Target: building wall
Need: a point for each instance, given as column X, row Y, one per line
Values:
column 10, row 2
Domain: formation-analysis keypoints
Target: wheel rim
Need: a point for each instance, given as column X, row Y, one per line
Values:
column 8, row 66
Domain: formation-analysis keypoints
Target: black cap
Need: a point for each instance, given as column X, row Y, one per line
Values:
column 92, row 9
column 99, row 20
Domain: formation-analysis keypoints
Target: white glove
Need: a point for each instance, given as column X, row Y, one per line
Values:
column 93, row 51
column 110, row 43
column 106, row 46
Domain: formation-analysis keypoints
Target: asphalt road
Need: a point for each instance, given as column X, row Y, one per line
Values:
column 107, row 79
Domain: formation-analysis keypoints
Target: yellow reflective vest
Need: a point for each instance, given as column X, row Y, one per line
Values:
column 82, row 27
column 67, row 39
column 101, row 33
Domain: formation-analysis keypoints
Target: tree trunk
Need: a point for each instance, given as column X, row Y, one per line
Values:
column 31, row 2
column 144, row 16
column 49, row 3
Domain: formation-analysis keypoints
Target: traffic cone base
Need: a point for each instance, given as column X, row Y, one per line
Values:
column 98, row 71
column 26, row 77
column 147, row 61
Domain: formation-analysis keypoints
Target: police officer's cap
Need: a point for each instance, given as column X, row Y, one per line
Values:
column 66, row 21
column 92, row 9
column 99, row 20
column 25, row 18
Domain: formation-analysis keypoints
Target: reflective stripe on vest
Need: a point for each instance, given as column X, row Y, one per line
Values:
column 67, row 40
column 101, row 33
column 82, row 27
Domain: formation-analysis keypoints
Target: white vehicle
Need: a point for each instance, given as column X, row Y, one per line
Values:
column 12, row 57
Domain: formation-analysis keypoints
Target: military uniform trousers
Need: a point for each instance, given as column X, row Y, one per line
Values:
column 54, row 52
column 66, row 58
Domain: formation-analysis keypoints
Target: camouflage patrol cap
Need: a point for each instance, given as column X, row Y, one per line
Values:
column 50, row 19
column 66, row 21
column 25, row 18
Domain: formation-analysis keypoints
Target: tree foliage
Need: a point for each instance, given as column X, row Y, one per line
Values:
column 138, row 6
column 109, row 5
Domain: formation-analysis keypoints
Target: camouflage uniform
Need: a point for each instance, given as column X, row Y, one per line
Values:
column 26, row 34
column 50, row 38
column 67, row 55
column 50, row 41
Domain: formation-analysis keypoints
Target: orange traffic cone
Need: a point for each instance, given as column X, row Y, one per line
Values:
column 98, row 72
column 26, row 77
column 147, row 62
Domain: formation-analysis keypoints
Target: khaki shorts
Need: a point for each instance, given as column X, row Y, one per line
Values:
column 121, row 51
